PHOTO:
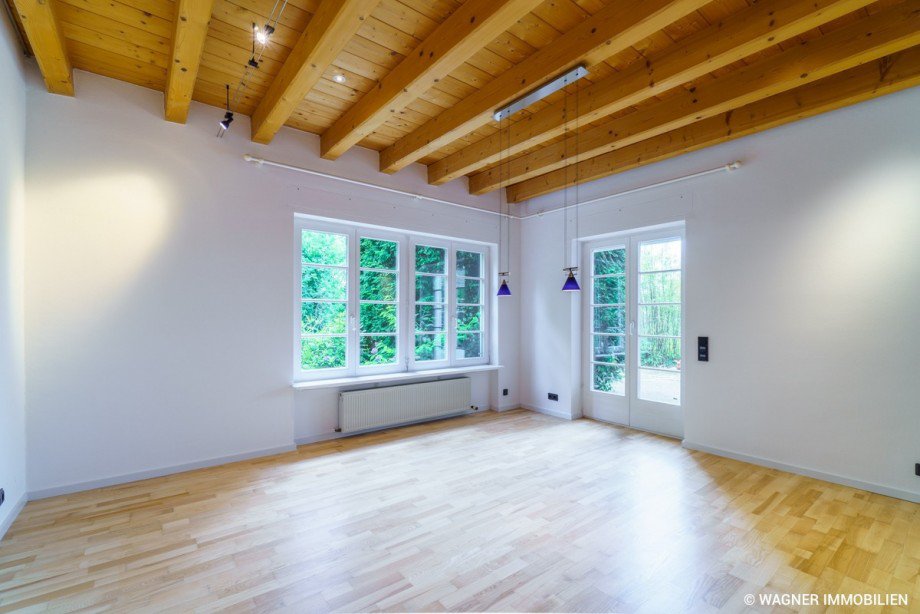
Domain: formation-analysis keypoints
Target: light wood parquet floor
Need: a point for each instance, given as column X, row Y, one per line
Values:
column 502, row 512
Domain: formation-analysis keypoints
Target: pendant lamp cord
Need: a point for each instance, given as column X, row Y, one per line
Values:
column 577, row 153
column 501, row 184
column 565, row 193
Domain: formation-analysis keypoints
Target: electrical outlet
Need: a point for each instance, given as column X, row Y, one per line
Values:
column 552, row 396
column 2, row 496
column 917, row 468
column 504, row 392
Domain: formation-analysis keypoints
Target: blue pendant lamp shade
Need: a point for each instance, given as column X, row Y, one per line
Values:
column 571, row 284
column 504, row 290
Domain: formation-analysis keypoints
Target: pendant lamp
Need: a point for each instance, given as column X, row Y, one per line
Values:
column 571, row 284
column 503, row 289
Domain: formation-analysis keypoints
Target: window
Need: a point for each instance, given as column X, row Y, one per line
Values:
column 430, row 304
column 470, row 306
column 324, row 300
column 378, row 302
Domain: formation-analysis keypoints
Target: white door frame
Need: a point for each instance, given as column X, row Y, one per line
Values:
column 630, row 410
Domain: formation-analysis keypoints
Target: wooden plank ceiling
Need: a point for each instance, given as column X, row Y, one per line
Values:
column 418, row 80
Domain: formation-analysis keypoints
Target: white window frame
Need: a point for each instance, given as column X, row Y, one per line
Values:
column 350, row 357
column 405, row 360
column 420, row 365
column 399, row 365
column 455, row 307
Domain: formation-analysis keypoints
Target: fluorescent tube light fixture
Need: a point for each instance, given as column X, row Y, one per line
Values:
column 541, row 92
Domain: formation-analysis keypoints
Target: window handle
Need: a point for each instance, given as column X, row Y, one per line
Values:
column 353, row 322
column 632, row 327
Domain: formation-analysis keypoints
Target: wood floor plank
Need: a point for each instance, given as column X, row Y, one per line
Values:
column 503, row 512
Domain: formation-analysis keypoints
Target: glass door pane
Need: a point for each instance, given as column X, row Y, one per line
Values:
column 659, row 320
column 608, row 321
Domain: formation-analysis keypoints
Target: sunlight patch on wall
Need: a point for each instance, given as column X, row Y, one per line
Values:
column 107, row 228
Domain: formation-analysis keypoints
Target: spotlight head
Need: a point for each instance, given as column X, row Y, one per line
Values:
column 227, row 120
column 263, row 33
column 253, row 62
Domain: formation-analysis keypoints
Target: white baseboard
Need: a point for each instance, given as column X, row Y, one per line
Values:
column 555, row 413
column 888, row 491
column 154, row 473
column 301, row 441
column 14, row 513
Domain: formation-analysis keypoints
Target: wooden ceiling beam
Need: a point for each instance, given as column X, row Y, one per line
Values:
column 47, row 42
column 473, row 25
column 885, row 76
column 191, row 31
column 868, row 39
column 327, row 33
column 724, row 42
column 616, row 27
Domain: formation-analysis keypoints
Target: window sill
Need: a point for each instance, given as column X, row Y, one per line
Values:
column 390, row 377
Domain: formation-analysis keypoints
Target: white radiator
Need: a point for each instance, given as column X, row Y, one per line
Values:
column 362, row 410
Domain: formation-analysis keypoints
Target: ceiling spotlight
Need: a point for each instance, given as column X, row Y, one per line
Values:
column 228, row 117
column 263, row 34
column 227, row 120
column 256, row 31
column 339, row 78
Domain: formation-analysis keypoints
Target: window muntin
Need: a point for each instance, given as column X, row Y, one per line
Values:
column 376, row 302
column 608, row 320
column 659, row 320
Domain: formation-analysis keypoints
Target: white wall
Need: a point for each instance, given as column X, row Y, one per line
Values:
column 803, row 268
column 159, row 268
column 12, row 152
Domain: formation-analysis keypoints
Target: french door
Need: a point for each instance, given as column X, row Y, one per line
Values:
column 633, row 337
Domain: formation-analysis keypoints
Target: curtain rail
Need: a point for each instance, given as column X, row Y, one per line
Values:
column 263, row 162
